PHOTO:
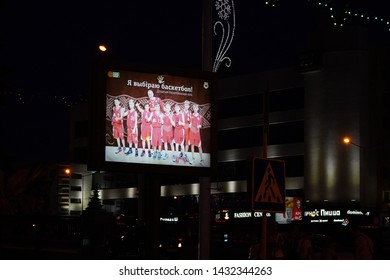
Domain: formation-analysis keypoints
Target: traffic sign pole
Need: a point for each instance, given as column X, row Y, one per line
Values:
column 263, row 243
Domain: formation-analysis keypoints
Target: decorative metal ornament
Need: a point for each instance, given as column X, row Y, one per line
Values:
column 226, row 24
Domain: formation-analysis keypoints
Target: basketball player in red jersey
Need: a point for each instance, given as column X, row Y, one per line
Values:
column 132, row 128
column 167, row 129
column 187, row 121
column 157, row 121
column 146, row 128
column 154, row 100
column 117, row 124
column 195, row 140
column 178, row 133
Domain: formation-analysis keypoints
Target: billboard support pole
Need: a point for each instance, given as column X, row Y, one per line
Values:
column 204, row 182
column 204, row 219
column 149, row 213
column 263, row 253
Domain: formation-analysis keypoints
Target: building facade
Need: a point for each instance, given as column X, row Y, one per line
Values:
column 339, row 89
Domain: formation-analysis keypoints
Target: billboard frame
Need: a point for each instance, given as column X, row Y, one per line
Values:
column 98, row 121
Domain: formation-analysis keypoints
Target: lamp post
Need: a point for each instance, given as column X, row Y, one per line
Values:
column 368, row 173
column 347, row 140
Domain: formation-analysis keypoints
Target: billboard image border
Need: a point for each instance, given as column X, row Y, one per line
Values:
column 100, row 108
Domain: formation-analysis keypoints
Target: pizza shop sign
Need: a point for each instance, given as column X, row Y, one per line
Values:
column 322, row 213
column 331, row 213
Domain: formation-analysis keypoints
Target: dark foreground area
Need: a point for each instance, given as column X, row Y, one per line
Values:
column 78, row 238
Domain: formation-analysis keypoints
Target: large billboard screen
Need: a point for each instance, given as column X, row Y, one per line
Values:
column 153, row 120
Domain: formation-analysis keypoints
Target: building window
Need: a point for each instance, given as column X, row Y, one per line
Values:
column 240, row 106
column 237, row 170
column 75, row 200
column 240, row 138
column 63, row 199
column 287, row 99
column 75, row 188
column 281, row 100
column 232, row 171
column 282, row 133
column 294, row 165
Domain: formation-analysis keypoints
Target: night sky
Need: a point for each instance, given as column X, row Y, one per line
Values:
column 47, row 47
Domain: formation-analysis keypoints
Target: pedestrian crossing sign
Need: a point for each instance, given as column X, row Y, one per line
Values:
column 267, row 179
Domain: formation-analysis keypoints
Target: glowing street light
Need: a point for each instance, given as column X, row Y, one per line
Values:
column 347, row 140
column 102, row 48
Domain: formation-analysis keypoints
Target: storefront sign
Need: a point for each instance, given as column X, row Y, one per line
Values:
column 323, row 215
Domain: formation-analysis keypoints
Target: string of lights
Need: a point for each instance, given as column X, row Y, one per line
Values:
column 342, row 12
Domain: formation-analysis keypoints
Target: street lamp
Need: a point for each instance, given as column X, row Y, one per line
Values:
column 369, row 166
column 102, row 48
column 347, row 140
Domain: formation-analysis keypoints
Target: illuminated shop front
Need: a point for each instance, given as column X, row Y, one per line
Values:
column 340, row 215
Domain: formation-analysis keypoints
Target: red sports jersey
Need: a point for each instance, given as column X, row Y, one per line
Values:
column 179, row 128
column 116, row 115
column 131, row 119
column 132, row 129
column 156, row 131
column 152, row 103
column 146, row 127
column 187, row 121
column 167, row 133
column 117, row 122
column 196, row 121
